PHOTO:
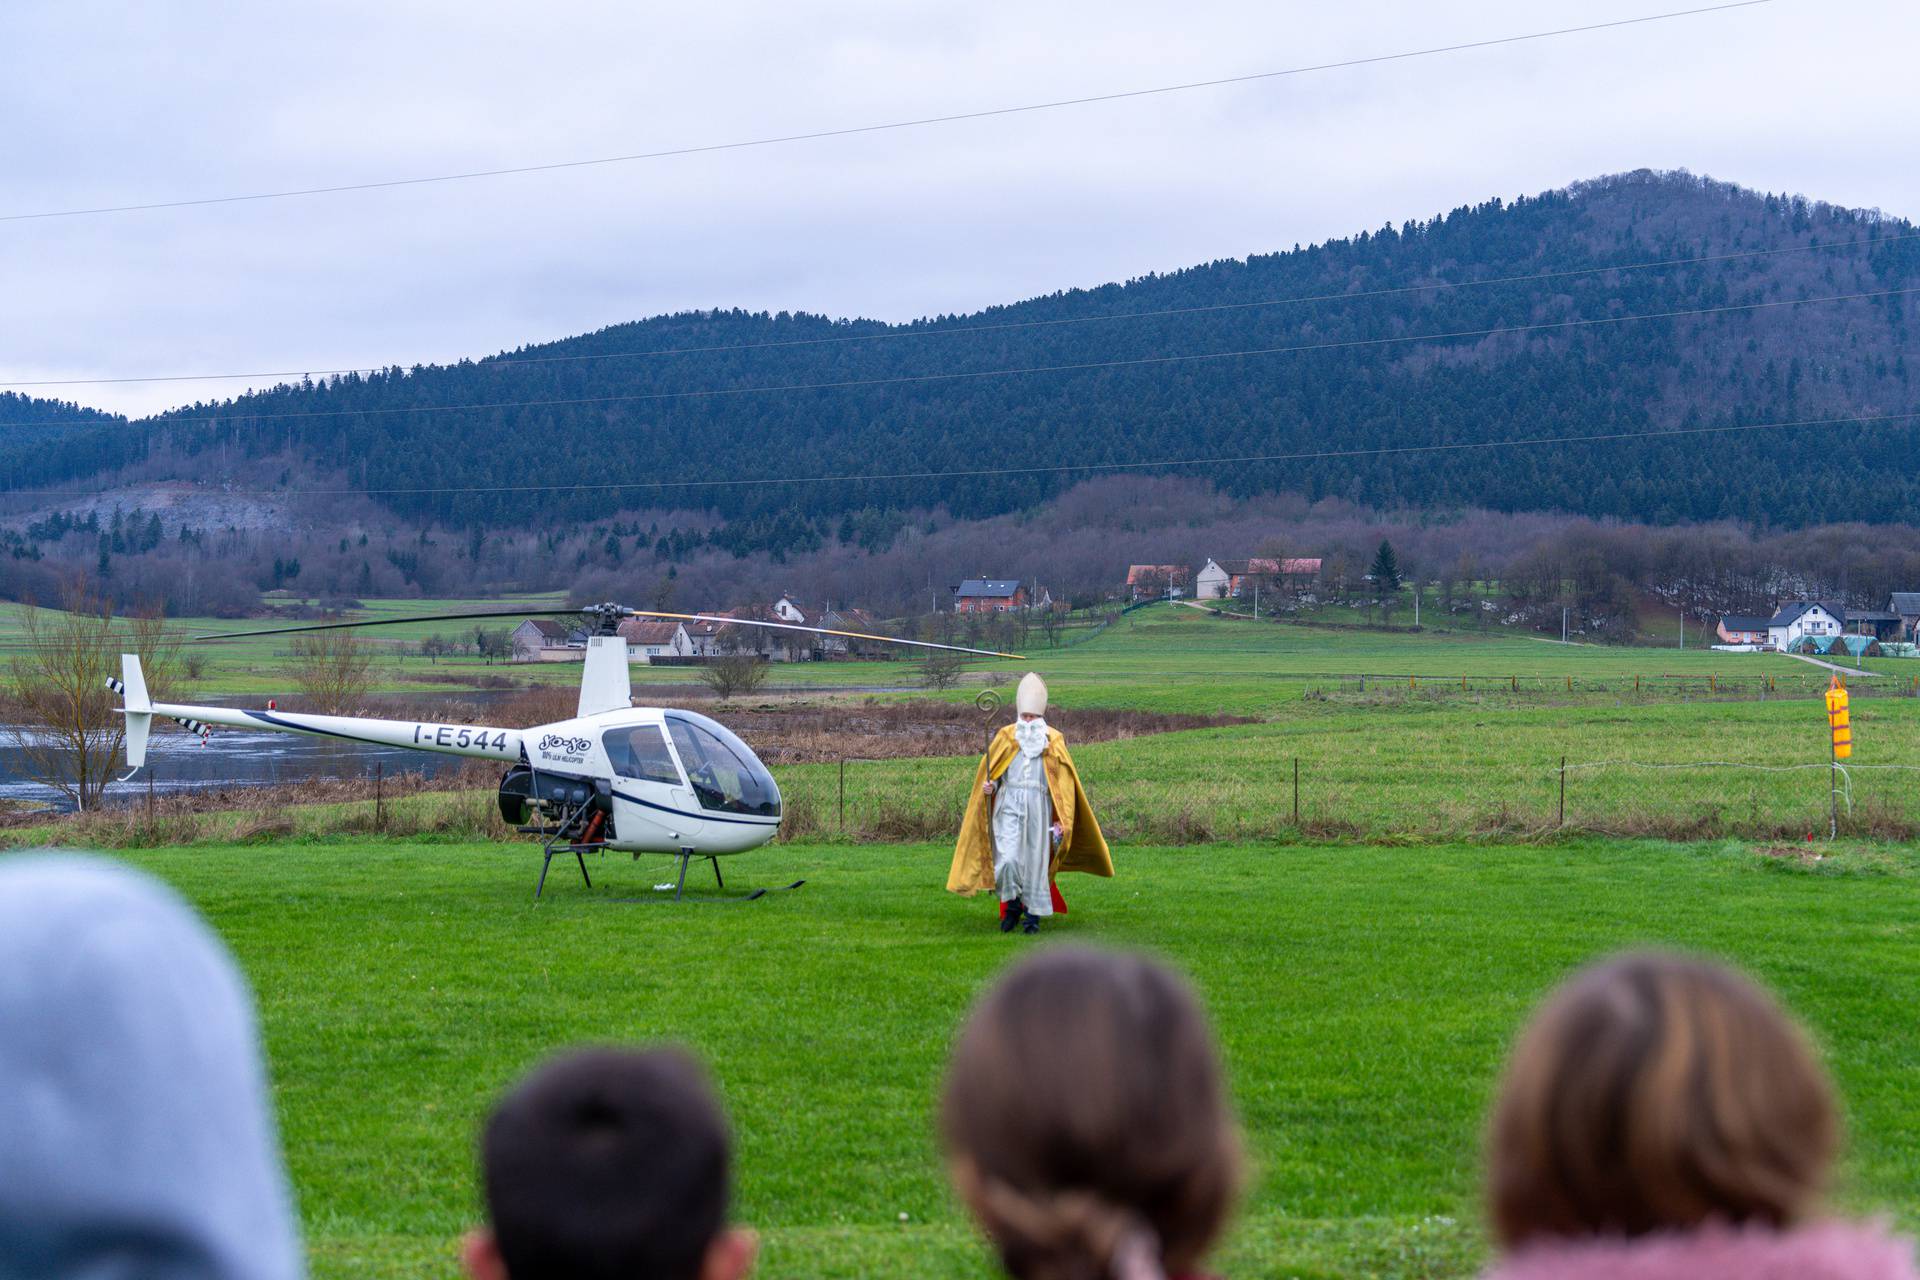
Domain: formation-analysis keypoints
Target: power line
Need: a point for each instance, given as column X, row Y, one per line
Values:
column 816, row 135
column 1012, row 325
column 1066, row 468
column 960, row 375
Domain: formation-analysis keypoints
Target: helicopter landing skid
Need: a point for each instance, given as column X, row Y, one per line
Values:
column 577, row 848
column 686, row 857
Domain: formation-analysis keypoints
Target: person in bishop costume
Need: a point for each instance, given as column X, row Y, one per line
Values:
column 1027, row 819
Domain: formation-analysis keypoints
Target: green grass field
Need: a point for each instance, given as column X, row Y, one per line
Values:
column 1166, row 657
column 1363, row 997
column 1364, row 993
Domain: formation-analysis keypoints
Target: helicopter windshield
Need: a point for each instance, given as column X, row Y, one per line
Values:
column 641, row 752
column 725, row 774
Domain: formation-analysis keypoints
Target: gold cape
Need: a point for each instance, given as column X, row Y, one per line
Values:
column 1081, row 848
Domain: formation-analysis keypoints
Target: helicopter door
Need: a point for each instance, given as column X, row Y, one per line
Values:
column 653, row 806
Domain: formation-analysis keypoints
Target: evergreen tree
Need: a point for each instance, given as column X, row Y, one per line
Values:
column 1385, row 571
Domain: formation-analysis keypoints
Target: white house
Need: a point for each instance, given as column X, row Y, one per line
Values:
column 1804, row 618
column 703, row 638
column 1211, row 582
column 650, row 638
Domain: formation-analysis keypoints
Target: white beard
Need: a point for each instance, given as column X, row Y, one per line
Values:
column 1031, row 735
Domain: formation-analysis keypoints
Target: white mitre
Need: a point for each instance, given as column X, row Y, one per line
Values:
column 1031, row 700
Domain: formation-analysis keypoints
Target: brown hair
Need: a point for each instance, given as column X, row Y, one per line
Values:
column 1652, row 1092
column 1086, row 1120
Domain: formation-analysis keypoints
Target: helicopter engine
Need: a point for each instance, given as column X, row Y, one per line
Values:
column 556, row 802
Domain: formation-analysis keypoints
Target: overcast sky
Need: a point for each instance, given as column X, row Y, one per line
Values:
column 115, row 103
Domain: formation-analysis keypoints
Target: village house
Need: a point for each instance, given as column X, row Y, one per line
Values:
column 770, row 643
column 801, row 645
column 1881, row 624
column 1906, row 606
column 1221, row 580
column 787, row 609
column 990, row 595
column 1156, row 581
column 704, row 638
column 1211, row 582
column 1804, row 618
column 544, row 640
column 847, row 647
column 1738, row 628
column 651, row 638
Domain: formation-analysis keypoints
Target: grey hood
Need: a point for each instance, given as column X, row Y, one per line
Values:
column 136, row 1135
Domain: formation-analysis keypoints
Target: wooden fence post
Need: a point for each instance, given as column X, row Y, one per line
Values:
column 1563, row 791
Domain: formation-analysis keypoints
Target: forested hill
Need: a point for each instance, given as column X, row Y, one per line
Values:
column 673, row 399
column 44, row 440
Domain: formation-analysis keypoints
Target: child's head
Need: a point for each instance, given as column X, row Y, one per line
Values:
column 607, row 1164
column 1657, row 1092
column 1085, row 1119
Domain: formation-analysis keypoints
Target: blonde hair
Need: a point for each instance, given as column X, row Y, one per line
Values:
column 1655, row 1091
column 1086, row 1120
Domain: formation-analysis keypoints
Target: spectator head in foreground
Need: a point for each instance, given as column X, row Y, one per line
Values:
column 1662, row 1117
column 1086, row 1122
column 136, row 1137
column 608, row 1164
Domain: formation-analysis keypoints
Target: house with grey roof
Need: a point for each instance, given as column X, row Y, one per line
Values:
column 990, row 595
column 1742, row 628
column 1799, row 618
column 1906, row 606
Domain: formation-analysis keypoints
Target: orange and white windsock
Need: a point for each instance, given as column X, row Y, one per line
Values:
column 1839, row 719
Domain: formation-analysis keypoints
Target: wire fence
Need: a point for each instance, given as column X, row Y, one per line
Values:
column 1867, row 684
column 1344, row 798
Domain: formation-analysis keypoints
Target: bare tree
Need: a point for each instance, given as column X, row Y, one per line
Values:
column 941, row 668
column 334, row 669
column 68, row 729
column 1050, row 619
column 728, row 674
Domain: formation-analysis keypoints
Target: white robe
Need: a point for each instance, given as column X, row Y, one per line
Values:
column 1022, row 825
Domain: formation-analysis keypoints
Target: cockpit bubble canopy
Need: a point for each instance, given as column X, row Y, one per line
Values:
column 726, row 776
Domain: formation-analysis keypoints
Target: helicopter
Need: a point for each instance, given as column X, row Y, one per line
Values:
column 614, row 777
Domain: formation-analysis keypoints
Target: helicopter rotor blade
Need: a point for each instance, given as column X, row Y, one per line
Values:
column 387, row 622
column 723, row 620
column 715, row 618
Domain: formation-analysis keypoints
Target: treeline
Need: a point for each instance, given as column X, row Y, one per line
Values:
column 672, row 401
column 1077, row 547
